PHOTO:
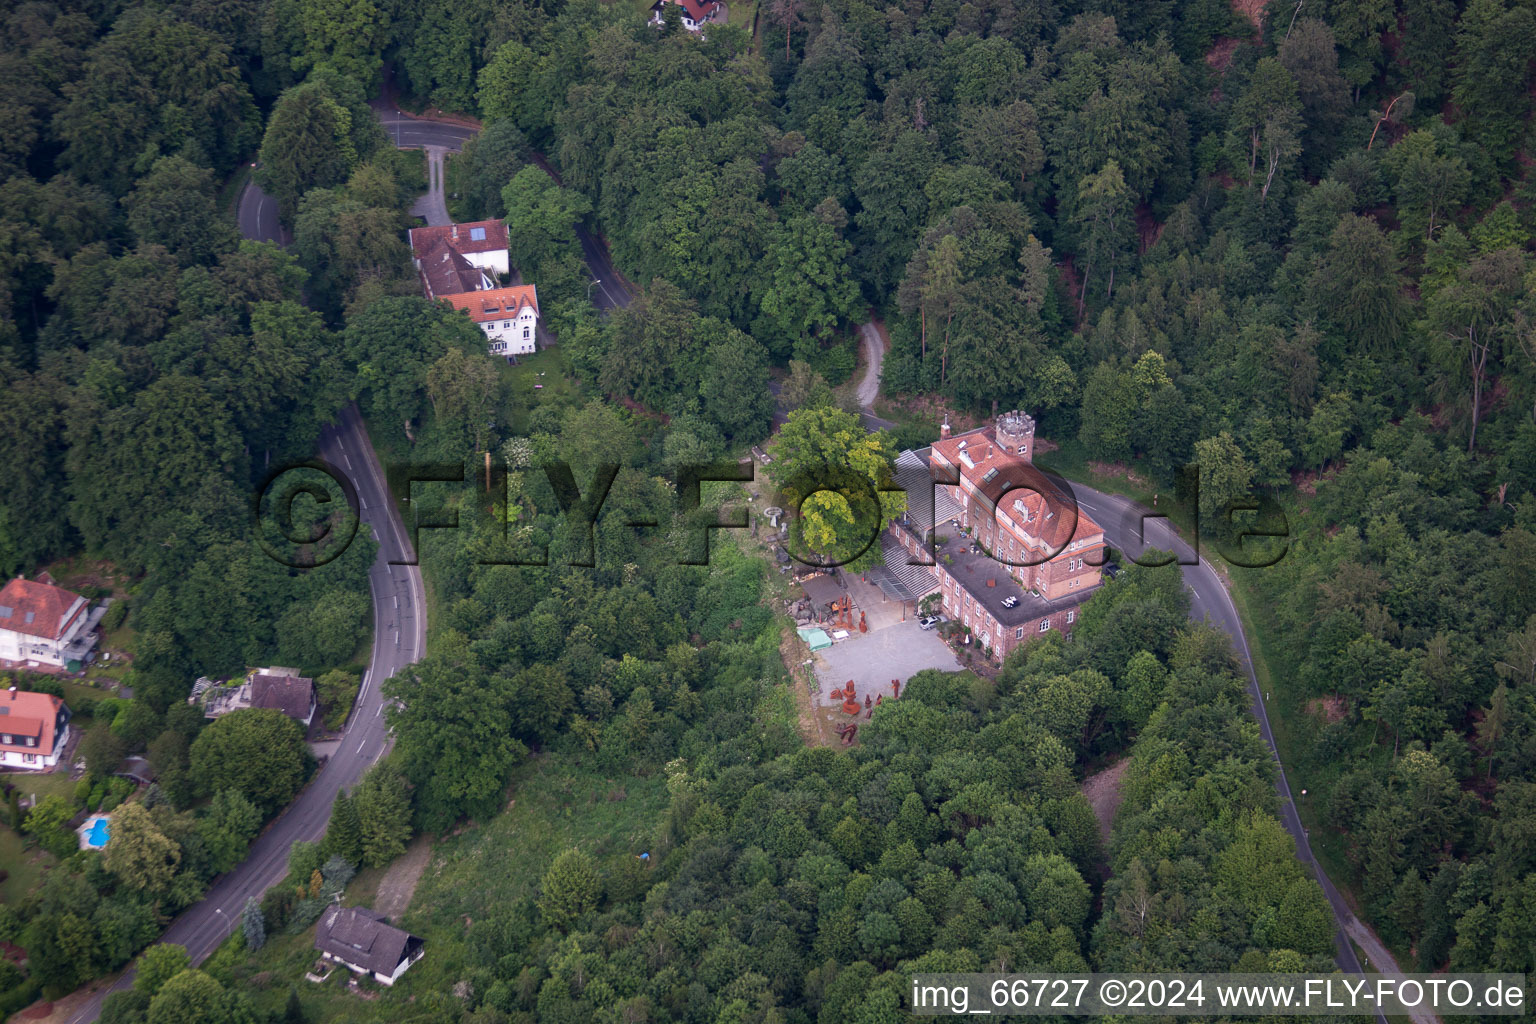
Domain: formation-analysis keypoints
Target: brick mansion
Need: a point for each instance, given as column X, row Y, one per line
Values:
column 1011, row 559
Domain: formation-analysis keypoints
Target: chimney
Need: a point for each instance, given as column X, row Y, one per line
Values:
column 455, row 232
column 991, row 583
column 944, row 428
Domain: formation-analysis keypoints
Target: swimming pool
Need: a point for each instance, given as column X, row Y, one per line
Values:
column 98, row 833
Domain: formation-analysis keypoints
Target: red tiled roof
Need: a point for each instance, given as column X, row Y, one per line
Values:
column 497, row 303
column 39, row 609
column 29, row 714
column 445, row 271
column 699, row 12
column 1015, row 487
column 460, row 236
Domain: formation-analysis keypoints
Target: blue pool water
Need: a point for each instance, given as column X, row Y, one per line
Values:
column 98, row 834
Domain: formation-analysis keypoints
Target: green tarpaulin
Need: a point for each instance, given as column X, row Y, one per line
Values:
column 817, row 638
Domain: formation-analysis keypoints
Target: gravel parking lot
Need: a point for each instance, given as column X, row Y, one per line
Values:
column 873, row 659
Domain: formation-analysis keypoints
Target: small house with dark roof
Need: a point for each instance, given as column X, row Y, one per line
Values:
column 34, row 729
column 42, row 625
column 446, row 271
column 275, row 689
column 283, row 689
column 366, row 943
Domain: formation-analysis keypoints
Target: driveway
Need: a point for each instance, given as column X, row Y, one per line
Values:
column 432, row 205
column 873, row 659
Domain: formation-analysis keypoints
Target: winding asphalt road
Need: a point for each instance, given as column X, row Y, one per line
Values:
column 399, row 639
column 257, row 215
column 1127, row 530
column 1123, row 523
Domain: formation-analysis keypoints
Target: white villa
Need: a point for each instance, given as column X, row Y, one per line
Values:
column 34, row 729
column 460, row 264
column 44, row 625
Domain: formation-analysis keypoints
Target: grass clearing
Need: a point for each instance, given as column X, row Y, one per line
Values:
column 24, row 867
column 471, row 874
column 536, row 380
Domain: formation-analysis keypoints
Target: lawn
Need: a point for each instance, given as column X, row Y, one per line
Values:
column 542, row 378
column 25, row 867
column 554, row 807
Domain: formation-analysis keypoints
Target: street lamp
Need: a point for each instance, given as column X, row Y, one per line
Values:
column 226, row 917
column 589, row 287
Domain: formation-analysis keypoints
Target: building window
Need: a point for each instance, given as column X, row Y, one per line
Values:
column 1018, row 634
column 525, row 334
column 506, row 324
column 29, row 758
column 477, row 234
column 1072, row 615
column 1045, row 625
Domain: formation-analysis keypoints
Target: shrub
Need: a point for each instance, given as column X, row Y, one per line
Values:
column 117, row 614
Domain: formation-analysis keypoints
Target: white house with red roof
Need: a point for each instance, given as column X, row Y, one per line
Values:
column 508, row 316
column 34, row 729
column 482, row 243
column 458, row 264
column 42, row 625
column 695, row 12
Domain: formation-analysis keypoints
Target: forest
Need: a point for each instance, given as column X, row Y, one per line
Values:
column 1290, row 244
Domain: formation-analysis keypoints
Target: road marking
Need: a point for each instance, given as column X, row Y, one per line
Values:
column 360, row 744
column 347, row 458
column 397, row 638
column 397, row 600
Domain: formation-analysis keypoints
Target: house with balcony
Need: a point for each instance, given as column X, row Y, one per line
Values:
column 43, row 626
column 274, row 689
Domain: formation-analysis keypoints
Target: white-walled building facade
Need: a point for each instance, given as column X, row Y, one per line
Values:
column 42, row 625
column 483, row 243
column 34, row 729
column 460, row 264
column 508, row 316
